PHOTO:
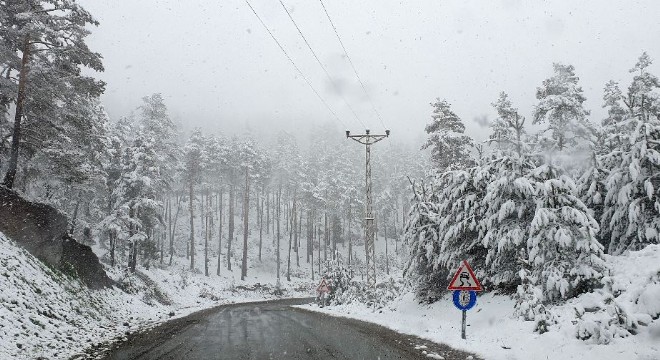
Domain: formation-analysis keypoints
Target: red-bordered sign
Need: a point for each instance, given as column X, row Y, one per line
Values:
column 464, row 279
column 323, row 287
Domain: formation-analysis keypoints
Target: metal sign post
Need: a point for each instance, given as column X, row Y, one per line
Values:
column 465, row 286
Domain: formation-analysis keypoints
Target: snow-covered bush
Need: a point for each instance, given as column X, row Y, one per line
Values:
column 628, row 300
column 377, row 298
column 338, row 278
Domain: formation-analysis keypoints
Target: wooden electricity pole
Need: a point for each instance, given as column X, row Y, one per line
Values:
column 367, row 140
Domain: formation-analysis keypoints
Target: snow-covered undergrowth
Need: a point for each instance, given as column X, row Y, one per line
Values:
column 46, row 314
column 619, row 321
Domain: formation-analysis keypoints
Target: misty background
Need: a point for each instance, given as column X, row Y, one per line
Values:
column 218, row 68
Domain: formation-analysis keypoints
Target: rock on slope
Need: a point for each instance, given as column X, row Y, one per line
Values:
column 42, row 230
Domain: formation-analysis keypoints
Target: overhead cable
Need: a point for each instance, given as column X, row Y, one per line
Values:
column 364, row 88
column 294, row 64
column 332, row 81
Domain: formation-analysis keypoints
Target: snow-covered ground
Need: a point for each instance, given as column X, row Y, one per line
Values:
column 46, row 314
column 494, row 333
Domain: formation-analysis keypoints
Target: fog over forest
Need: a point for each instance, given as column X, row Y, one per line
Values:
column 214, row 63
column 329, row 179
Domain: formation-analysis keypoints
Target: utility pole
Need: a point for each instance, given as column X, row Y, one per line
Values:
column 367, row 140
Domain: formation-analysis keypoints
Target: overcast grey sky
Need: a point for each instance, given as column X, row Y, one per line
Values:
column 218, row 68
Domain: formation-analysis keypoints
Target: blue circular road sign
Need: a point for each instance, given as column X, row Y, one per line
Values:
column 465, row 299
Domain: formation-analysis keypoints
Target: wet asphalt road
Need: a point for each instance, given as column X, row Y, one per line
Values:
column 273, row 330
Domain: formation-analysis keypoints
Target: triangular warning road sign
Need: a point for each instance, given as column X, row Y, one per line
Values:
column 464, row 279
column 323, row 287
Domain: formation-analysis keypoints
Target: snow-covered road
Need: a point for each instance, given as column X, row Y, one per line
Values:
column 274, row 330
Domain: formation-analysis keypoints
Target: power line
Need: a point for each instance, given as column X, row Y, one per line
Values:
column 332, row 81
column 294, row 64
column 352, row 65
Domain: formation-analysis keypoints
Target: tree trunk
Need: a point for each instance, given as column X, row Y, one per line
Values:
column 267, row 212
column 176, row 220
column 350, row 236
column 132, row 257
column 207, row 233
column 311, row 253
column 288, row 262
column 10, row 175
column 246, row 213
column 192, row 225
column 325, row 236
column 230, row 237
column 387, row 255
column 318, row 235
column 219, row 232
column 396, row 234
column 165, row 230
column 169, row 227
column 277, row 248
column 335, row 219
column 75, row 215
column 309, row 235
column 113, row 244
column 260, row 206
column 296, row 229
column 202, row 212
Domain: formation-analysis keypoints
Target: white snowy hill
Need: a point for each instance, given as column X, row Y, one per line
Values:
column 619, row 321
column 47, row 314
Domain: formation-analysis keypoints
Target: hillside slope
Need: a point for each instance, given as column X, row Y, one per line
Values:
column 621, row 320
column 46, row 314
column 43, row 313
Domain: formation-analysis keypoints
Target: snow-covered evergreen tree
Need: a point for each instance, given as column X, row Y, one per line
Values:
column 444, row 229
column 423, row 238
column 509, row 200
column 632, row 205
column 564, row 255
column 195, row 160
column 561, row 107
column 509, row 208
column 446, row 138
column 42, row 50
column 508, row 129
column 136, row 195
column 591, row 184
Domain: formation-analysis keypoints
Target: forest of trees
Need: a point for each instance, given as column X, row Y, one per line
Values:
column 147, row 192
column 535, row 211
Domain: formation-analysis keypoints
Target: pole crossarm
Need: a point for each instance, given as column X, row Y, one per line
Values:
column 368, row 139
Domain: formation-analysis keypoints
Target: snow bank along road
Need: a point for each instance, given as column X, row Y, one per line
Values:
column 274, row 330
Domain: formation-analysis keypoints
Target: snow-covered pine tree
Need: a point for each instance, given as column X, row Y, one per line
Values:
column 632, row 204
column 444, row 229
column 564, row 255
column 461, row 193
column 47, row 36
column 423, row 240
column 612, row 125
column 561, row 106
column 446, row 138
column 591, row 184
column 195, row 160
column 508, row 129
column 137, row 193
column 509, row 200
